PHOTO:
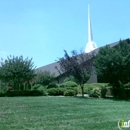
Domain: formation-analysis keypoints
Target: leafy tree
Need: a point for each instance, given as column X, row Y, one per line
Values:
column 15, row 71
column 113, row 64
column 44, row 77
column 70, row 78
column 77, row 65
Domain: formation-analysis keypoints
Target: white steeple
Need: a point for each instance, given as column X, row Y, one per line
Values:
column 90, row 45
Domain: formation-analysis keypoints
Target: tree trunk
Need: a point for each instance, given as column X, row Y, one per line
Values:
column 82, row 88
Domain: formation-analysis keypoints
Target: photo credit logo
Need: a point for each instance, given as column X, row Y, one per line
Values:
column 123, row 124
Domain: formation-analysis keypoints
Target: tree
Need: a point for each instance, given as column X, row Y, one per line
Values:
column 69, row 78
column 44, row 78
column 15, row 71
column 77, row 65
column 113, row 64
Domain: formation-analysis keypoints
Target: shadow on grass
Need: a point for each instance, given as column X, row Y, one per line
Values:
column 117, row 99
column 107, row 98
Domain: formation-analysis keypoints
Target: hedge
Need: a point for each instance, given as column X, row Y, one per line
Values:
column 52, row 86
column 68, row 84
column 23, row 93
column 69, row 92
column 61, row 91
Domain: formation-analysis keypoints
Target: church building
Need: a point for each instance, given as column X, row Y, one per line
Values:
column 90, row 47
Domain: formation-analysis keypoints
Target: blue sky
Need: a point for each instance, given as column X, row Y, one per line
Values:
column 42, row 29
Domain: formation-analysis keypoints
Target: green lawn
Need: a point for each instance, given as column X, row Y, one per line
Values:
column 61, row 113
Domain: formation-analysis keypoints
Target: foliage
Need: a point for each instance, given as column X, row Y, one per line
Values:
column 3, row 87
column 69, row 92
column 121, row 93
column 53, row 91
column 16, row 71
column 56, row 91
column 36, row 86
column 40, row 88
column 88, row 87
column 127, row 85
column 60, row 91
column 52, row 86
column 113, row 65
column 68, row 84
column 44, row 77
column 77, row 65
column 103, row 92
column 73, row 88
column 23, row 93
column 94, row 89
column 95, row 93
column 2, row 95
column 69, row 78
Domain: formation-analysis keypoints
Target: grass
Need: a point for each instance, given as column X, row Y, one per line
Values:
column 61, row 113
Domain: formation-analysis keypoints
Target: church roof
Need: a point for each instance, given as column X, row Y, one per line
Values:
column 52, row 67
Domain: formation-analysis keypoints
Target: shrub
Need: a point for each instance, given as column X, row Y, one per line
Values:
column 103, row 92
column 52, row 86
column 127, row 93
column 68, row 84
column 88, row 87
column 23, row 93
column 95, row 93
column 61, row 91
column 72, row 88
column 43, row 90
column 40, row 88
column 2, row 94
column 69, row 92
column 127, row 85
column 53, row 91
column 62, row 85
column 36, row 86
column 121, row 93
column 70, row 78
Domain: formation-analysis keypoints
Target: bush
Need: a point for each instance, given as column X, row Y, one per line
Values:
column 40, row 88
column 23, row 93
column 103, row 92
column 99, row 91
column 88, row 87
column 2, row 94
column 43, row 90
column 127, row 93
column 68, row 84
column 36, row 86
column 95, row 93
column 127, row 85
column 69, row 92
column 61, row 91
column 52, row 86
column 72, row 88
column 70, row 78
column 53, row 91
column 121, row 93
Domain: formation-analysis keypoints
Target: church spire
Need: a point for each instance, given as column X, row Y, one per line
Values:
column 90, row 45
